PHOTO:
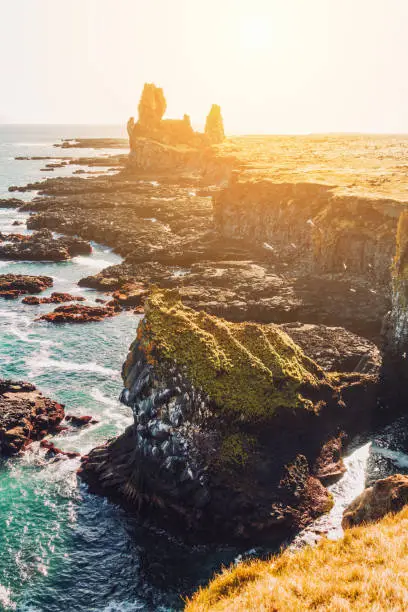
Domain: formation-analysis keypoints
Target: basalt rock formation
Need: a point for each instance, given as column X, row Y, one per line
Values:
column 388, row 495
column 179, row 142
column 75, row 313
column 13, row 285
column 229, row 420
column 41, row 246
column 25, row 415
column 214, row 125
column 55, row 298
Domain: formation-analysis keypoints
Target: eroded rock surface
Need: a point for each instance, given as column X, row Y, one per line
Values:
column 75, row 313
column 25, row 415
column 55, row 298
column 41, row 246
column 229, row 420
column 385, row 496
column 14, row 285
column 214, row 125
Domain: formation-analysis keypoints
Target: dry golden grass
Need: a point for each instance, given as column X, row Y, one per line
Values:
column 354, row 164
column 366, row 570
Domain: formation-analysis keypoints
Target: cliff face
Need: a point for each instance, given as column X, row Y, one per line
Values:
column 151, row 156
column 229, row 422
column 398, row 328
column 319, row 231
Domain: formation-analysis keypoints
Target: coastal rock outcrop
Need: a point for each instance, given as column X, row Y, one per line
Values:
column 41, row 246
column 25, row 415
column 176, row 133
column 13, row 285
column 55, row 298
column 388, row 495
column 214, row 125
column 229, row 420
column 75, row 313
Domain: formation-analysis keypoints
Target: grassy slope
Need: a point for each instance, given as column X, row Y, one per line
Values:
column 366, row 570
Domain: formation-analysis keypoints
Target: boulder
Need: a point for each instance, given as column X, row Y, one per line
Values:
column 75, row 313
column 13, row 285
column 25, row 415
column 387, row 495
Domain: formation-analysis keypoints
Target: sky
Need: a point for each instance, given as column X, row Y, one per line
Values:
column 274, row 66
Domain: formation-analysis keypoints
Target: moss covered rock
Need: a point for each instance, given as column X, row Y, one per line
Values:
column 245, row 368
column 229, row 419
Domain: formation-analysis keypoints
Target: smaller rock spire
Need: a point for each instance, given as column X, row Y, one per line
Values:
column 214, row 125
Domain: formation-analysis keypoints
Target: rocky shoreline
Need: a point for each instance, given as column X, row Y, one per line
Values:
column 275, row 266
column 25, row 416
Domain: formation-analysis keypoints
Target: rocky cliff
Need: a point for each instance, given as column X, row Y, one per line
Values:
column 230, row 421
column 319, row 230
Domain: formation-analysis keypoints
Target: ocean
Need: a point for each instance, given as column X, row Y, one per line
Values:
column 62, row 548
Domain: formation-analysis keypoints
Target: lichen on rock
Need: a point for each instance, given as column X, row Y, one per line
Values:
column 246, row 368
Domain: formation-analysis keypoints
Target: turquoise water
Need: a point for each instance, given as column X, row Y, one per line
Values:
column 63, row 549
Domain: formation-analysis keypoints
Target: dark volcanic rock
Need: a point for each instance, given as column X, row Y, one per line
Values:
column 41, row 246
column 269, row 253
column 229, row 421
column 25, row 415
column 13, row 285
column 74, row 313
column 53, row 451
column 80, row 421
column 55, row 298
column 11, row 203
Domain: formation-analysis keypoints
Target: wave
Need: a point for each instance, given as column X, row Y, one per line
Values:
column 102, row 398
column 91, row 262
column 399, row 458
column 5, row 598
column 39, row 362
column 344, row 492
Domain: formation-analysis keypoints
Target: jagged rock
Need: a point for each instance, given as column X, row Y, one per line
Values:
column 13, row 285
column 25, row 415
column 174, row 132
column 385, row 496
column 80, row 421
column 130, row 294
column 152, row 106
column 11, row 203
column 53, row 451
column 222, row 413
column 55, row 298
column 214, row 125
column 41, row 246
column 74, row 313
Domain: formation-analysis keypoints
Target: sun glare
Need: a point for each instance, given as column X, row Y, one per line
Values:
column 256, row 33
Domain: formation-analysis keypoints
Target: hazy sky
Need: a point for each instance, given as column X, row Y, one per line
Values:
column 281, row 66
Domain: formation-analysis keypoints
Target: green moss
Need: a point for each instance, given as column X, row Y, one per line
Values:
column 246, row 368
column 235, row 449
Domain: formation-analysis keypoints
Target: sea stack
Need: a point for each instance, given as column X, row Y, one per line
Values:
column 214, row 125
